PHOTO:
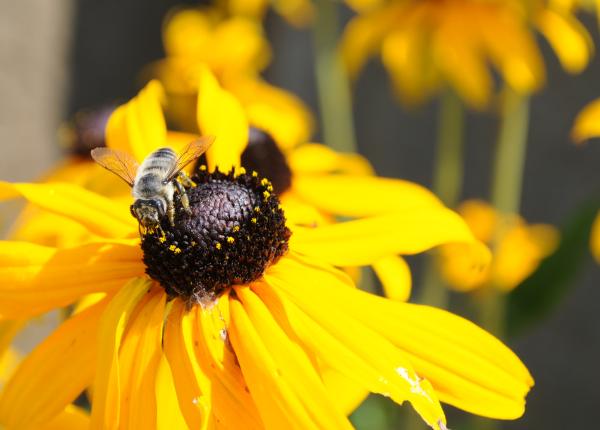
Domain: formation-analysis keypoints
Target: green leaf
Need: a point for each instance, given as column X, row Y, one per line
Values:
column 539, row 294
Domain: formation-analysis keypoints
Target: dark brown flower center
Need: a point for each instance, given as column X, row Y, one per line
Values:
column 236, row 229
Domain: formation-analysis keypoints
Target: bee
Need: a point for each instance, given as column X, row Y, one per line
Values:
column 155, row 181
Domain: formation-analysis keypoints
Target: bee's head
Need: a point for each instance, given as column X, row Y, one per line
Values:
column 148, row 212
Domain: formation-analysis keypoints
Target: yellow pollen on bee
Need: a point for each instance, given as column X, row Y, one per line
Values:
column 218, row 245
column 254, row 220
column 236, row 228
column 230, row 239
column 254, row 173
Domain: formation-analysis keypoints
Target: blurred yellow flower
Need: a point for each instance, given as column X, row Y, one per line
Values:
column 248, row 343
column 236, row 51
column 516, row 253
column 428, row 44
column 296, row 12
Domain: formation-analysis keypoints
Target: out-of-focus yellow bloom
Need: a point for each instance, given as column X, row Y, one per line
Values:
column 516, row 252
column 428, row 44
column 296, row 12
column 236, row 51
column 587, row 126
column 587, row 123
column 258, row 357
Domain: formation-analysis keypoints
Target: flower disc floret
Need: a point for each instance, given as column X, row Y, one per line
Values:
column 236, row 229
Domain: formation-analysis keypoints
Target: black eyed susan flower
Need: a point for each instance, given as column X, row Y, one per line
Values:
column 428, row 44
column 234, row 317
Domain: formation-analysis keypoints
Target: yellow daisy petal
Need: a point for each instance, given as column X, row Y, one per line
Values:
column 8, row 330
column 294, row 366
column 299, row 212
column 348, row 346
column 192, row 385
column 587, row 123
column 569, row 39
column 220, row 114
column 345, row 392
column 107, row 388
column 297, row 12
column 364, row 241
column 98, row 214
column 72, row 418
column 395, row 277
column 138, row 127
column 217, row 360
column 272, row 109
column 467, row 367
column 138, row 409
column 360, row 196
column 54, row 374
column 280, row 377
column 315, row 158
column 168, row 414
column 37, row 278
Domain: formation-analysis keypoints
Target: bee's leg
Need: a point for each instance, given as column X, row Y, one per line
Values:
column 185, row 180
column 171, row 212
column 185, row 201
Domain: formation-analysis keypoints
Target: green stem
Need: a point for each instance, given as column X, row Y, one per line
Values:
column 447, row 184
column 335, row 102
column 507, row 181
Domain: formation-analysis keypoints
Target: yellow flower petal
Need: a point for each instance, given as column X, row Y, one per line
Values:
column 297, row 12
column 364, row 241
column 360, row 196
column 395, row 277
column 36, row 278
column 347, row 345
column 220, row 114
column 98, row 214
column 168, row 414
column 516, row 54
column 345, row 392
column 138, row 127
column 316, row 158
column 54, row 374
column 280, row 113
column 456, row 54
column 72, row 418
column 138, row 401
column 215, row 356
column 107, row 387
column 191, row 384
column 467, row 367
column 300, row 392
column 481, row 218
column 587, row 123
column 299, row 212
column 569, row 39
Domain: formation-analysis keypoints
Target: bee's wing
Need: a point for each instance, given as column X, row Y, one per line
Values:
column 191, row 152
column 120, row 163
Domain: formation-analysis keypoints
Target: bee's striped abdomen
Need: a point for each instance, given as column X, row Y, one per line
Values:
column 153, row 171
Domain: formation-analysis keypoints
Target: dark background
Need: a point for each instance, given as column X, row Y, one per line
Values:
column 112, row 40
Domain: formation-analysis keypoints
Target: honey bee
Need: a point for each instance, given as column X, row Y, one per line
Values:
column 155, row 181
